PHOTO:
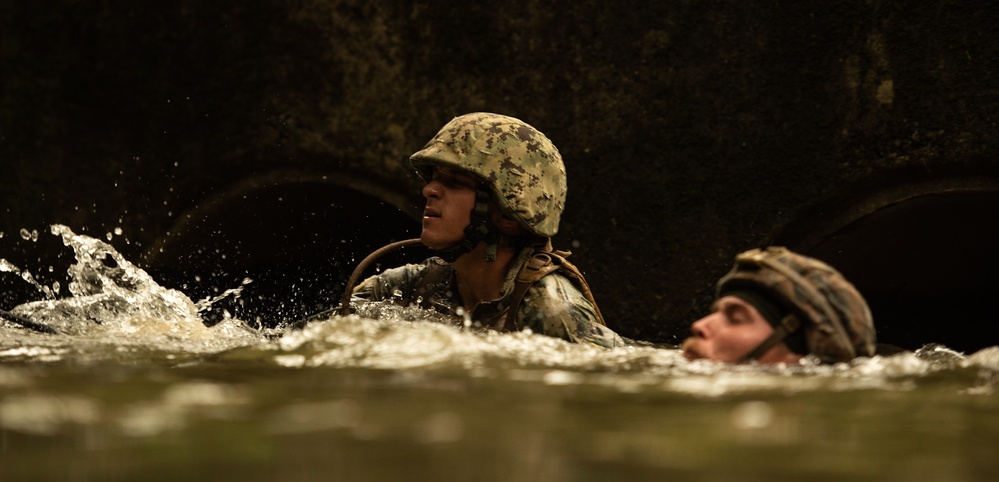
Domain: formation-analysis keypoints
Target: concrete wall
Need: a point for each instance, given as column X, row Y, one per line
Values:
column 691, row 130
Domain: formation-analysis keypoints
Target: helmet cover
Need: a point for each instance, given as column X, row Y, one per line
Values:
column 836, row 320
column 518, row 164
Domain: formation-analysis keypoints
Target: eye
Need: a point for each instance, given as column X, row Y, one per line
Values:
column 454, row 180
column 449, row 181
column 439, row 174
column 467, row 182
column 736, row 315
column 443, row 177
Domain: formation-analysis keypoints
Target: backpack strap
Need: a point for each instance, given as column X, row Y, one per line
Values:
column 544, row 261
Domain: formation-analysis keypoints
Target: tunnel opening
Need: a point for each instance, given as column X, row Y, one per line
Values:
column 925, row 264
column 288, row 246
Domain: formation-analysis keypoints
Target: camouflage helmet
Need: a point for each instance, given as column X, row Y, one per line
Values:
column 836, row 321
column 522, row 169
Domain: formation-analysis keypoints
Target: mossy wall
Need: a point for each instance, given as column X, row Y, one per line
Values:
column 691, row 130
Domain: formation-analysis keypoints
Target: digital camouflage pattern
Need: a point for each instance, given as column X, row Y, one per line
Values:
column 521, row 167
column 835, row 318
column 552, row 306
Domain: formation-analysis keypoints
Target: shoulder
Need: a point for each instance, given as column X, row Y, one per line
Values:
column 416, row 270
column 555, row 287
column 400, row 277
column 556, row 307
column 557, row 303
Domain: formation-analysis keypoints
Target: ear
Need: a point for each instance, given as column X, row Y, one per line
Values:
column 506, row 224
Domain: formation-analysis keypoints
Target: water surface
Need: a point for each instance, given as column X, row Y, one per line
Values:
column 135, row 387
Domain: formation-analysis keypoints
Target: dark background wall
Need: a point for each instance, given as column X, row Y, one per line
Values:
column 268, row 139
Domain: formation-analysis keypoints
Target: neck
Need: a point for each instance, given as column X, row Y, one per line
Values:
column 479, row 280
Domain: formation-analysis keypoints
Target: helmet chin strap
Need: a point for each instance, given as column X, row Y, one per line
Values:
column 788, row 325
column 480, row 228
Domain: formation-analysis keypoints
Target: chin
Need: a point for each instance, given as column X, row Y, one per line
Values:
column 429, row 242
column 434, row 243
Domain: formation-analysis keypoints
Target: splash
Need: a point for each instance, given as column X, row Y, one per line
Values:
column 48, row 292
column 116, row 307
column 116, row 301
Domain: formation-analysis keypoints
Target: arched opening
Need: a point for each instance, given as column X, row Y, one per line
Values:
column 925, row 260
column 297, row 238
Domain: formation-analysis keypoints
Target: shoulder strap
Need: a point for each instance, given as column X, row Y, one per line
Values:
column 544, row 261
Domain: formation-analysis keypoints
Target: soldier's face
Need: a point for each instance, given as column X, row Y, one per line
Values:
column 450, row 199
column 730, row 332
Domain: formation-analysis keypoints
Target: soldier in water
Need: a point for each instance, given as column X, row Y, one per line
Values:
column 777, row 306
column 495, row 191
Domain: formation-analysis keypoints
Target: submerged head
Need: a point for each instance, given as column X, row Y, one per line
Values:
column 777, row 306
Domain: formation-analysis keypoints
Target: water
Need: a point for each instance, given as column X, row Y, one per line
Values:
column 135, row 387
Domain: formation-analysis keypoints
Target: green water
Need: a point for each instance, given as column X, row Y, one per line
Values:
column 135, row 387
column 240, row 416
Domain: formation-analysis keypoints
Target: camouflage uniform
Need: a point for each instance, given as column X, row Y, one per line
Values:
column 552, row 306
column 520, row 169
column 834, row 317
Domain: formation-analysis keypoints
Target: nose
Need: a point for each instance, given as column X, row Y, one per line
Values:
column 702, row 328
column 432, row 190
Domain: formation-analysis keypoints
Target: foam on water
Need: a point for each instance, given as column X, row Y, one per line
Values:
column 117, row 310
column 397, row 342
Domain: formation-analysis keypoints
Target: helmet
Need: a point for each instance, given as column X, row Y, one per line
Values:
column 521, row 168
column 836, row 321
